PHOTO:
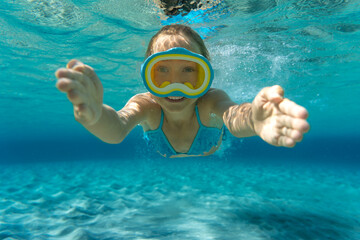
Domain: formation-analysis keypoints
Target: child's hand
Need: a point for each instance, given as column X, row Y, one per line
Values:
column 84, row 90
column 277, row 120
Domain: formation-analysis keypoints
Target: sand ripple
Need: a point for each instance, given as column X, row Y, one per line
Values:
column 197, row 199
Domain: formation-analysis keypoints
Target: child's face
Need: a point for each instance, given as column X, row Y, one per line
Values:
column 175, row 71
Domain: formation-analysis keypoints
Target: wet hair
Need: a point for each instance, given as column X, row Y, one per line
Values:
column 175, row 33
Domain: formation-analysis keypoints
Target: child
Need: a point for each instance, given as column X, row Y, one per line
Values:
column 181, row 115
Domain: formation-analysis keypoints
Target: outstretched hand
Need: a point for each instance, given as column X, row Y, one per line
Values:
column 277, row 120
column 84, row 90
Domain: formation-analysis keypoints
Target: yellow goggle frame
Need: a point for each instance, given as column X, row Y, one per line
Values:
column 167, row 89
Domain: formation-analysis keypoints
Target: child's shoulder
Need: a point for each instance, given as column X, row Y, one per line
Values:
column 206, row 105
column 212, row 97
column 143, row 99
column 148, row 107
column 144, row 102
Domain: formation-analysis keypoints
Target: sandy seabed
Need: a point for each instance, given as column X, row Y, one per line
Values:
column 177, row 199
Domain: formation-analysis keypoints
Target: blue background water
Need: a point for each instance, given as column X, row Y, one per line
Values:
column 58, row 181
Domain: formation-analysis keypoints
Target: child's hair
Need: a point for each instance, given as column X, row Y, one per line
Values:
column 178, row 30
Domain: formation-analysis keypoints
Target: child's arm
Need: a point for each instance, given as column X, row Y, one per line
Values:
column 113, row 127
column 84, row 90
column 275, row 119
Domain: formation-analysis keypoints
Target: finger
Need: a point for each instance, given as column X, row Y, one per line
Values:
column 290, row 108
column 62, row 84
column 274, row 94
column 293, row 123
column 76, row 97
column 269, row 95
column 73, row 63
column 80, row 67
column 86, row 70
column 68, row 73
column 71, row 74
column 291, row 133
column 80, row 110
column 90, row 73
column 81, row 107
column 286, row 142
column 65, row 85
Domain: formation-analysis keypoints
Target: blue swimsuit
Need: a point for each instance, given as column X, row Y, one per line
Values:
column 205, row 139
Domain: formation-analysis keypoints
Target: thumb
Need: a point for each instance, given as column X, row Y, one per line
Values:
column 73, row 64
column 275, row 94
column 263, row 104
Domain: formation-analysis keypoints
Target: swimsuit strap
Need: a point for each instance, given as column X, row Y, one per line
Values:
column 198, row 115
column 161, row 120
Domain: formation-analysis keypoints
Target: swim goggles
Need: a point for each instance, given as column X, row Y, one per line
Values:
column 177, row 72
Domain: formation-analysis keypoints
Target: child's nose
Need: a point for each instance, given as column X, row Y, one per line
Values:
column 176, row 78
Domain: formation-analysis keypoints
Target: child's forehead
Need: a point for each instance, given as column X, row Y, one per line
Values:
column 165, row 42
column 176, row 62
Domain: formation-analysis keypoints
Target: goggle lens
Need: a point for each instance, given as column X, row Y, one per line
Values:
column 166, row 72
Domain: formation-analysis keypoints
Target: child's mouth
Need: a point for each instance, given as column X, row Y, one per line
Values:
column 175, row 99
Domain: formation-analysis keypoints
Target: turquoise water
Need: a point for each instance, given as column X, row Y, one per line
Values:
column 60, row 182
